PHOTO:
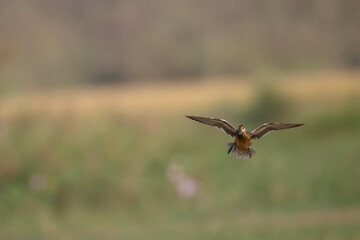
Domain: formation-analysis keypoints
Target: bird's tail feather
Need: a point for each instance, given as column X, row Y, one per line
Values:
column 243, row 154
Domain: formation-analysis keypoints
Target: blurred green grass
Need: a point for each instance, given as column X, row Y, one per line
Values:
column 106, row 178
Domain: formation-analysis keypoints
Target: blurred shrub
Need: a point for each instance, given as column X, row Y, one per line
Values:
column 270, row 106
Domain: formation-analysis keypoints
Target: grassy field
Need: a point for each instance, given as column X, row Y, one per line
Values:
column 101, row 164
column 177, row 98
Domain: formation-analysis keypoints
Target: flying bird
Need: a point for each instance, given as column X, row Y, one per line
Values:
column 241, row 147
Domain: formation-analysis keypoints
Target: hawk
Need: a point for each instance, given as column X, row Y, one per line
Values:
column 241, row 147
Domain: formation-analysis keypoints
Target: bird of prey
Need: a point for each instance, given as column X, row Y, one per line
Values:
column 241, row 146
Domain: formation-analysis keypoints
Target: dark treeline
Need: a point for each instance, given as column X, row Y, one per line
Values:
column 59, row 41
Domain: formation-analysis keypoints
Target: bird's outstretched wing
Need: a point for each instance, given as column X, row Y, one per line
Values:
column 219, row 123
column 268, row 127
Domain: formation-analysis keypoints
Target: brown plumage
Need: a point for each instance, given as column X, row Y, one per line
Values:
column 242, row 145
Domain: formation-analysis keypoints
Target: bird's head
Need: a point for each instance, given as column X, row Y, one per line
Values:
column 241, row 129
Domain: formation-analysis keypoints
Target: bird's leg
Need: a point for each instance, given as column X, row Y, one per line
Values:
column 231, row 147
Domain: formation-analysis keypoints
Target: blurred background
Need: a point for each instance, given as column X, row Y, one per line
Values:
column 93, row 139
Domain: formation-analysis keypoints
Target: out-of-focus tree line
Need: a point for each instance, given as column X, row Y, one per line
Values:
column 64, row 41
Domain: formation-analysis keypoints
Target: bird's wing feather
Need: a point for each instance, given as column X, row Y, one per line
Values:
column 219, row 123
column 268, row 127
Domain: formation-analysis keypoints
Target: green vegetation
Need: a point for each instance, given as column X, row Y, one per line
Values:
column 122, row 161
column 107, row 179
